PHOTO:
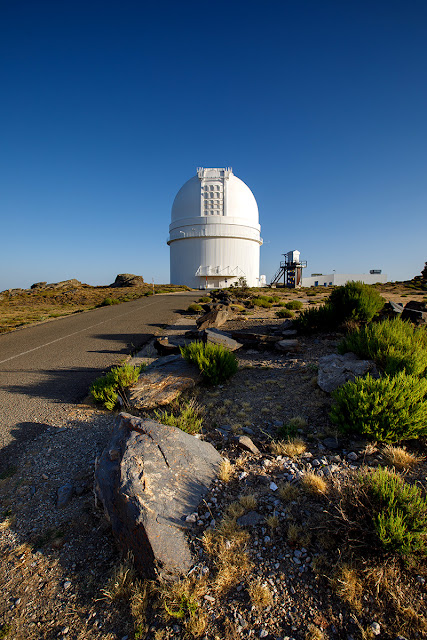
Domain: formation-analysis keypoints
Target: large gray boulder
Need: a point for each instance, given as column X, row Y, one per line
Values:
column 163, row 381
column 220, row 337
column 215, row 318
column 335, row 370
column 127, row 280
column 149, row 479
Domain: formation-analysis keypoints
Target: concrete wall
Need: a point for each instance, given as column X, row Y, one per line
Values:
column 338, row 279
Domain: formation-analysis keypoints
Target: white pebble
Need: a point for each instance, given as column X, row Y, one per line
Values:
column 375, row 628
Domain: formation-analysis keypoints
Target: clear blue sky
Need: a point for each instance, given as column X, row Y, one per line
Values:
column 107, row 108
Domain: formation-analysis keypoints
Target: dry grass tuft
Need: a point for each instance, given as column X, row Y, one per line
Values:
column 225, row 470
column 314, row 633
column 293, row 447
column 121, row 583
column 348, row 586
column 314, row 484
column 180, row 601
column 8, row 521
column 260, row 594
column 289, row 492
column 226, row 546
column 140, row 600
column 235, row 509
column 248, row 502
column 399, row 458
column 297, row 422
column 321, row 565
column 272, row 522
column 395, row 590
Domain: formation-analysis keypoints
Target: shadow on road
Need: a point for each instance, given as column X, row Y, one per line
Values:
column 130, row 342
column 60, row 385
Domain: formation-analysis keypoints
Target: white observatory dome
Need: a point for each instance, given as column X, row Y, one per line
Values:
column 214, row 232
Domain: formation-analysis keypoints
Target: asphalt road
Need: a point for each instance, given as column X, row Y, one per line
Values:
column 46, row 368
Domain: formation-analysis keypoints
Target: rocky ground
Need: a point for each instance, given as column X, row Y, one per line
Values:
column 267, row 564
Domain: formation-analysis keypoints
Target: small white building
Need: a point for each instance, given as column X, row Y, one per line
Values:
column 214, row 235
column 338, row 279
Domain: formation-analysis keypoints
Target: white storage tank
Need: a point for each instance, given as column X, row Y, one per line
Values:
column 293, row 256
column 214, row 235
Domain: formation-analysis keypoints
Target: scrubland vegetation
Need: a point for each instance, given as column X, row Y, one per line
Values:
column 363, row 525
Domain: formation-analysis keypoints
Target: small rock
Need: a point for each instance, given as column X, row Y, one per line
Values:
column 273, row 486
column 352, row 456
column 191, row 518
column 246, row 443
column 65, row 493
column 250, row 519
column 65, row 630
column 209, row 598
column 375, row 628
column 331, row 443
column 67, row 584
column 263, row 633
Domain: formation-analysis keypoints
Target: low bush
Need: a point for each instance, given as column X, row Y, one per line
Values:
column 355, row 301
column 107, row 389
column 263, row 302
column 194, row 308
column 109, row 301
column 216, row 363
column 316, row 319
column 284, row 313
column 395, row 345
column 204, row 299
column 389, row 409
column 399, row 511
column 294, row 304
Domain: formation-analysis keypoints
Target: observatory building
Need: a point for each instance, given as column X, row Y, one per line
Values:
column 214, row 235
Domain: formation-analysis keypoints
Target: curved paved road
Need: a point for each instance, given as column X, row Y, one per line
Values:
column 46, row 367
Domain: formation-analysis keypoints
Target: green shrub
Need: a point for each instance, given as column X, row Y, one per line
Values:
column 315, row 319
column 389, row 409
column 399, row 511
column 284, row 313
column 395, row 345
column 355, row 301
column 204, row 299
column 216, row 363
column 187, row 417
column 106, row 389
column 262, row 301
column 194, row 308
column 126, row 375
column 294, row 304
column 109, row 301
column 104, row 392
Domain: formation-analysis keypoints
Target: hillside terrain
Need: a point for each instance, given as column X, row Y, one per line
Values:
column 21, row 307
